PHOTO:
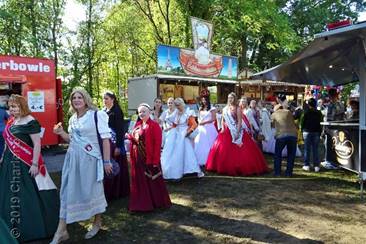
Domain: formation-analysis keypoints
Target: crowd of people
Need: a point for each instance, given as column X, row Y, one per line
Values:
column 164, row 145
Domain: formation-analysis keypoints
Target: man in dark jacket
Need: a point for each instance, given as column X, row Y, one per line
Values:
column 311, row 130
column 335, row 112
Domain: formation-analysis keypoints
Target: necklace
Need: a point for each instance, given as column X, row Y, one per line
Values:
column 81, row 114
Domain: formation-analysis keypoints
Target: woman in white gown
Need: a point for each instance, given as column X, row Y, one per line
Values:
column 178, row 157
column 166, row 119
column 207, row 132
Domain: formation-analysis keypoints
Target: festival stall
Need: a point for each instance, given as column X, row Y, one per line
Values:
column 35, row 79
column 334, row 58
column 187, row 73
column 267, row 90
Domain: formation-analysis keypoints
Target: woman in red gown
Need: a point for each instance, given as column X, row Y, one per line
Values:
column 234, row 151
column 147, row 188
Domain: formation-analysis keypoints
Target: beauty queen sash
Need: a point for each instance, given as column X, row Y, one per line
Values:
column 230, row 122
column 21, row 149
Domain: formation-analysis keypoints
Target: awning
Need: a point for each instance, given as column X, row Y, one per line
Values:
column 269, row 83
column 185, row 78
column 329, row 60
column 13, row 79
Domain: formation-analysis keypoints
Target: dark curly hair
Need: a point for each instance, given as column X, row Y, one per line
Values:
column 202, row 106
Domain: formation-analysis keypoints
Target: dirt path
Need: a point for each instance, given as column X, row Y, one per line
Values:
column 308, row 208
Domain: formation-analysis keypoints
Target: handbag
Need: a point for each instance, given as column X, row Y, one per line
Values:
column 192, row 124
column 115, row 166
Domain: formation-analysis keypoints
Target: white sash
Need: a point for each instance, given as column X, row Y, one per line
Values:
column 231, row 124
column 93, row 150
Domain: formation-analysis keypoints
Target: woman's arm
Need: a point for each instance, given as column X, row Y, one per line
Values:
column 107, row 156
column 36, row 139
column 106, row 149
column 157, row 140
column 119, row 123
column 58, row 130
column 238, row 126
column 213, row 113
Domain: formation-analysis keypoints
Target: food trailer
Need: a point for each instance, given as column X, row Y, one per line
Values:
column 187, row 73
column 35, row 79
column 335, row 57
column 147, row 88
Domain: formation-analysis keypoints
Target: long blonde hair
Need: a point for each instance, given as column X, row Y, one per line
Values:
column 235, row 99
column 87, row 99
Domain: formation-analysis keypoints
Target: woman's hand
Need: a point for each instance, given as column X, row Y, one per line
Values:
column 108, row 168
column 117, row 152
column 33, row 171
column 57, row 129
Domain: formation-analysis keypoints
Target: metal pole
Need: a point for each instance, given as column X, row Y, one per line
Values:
column 361, row 72
column 361, row 186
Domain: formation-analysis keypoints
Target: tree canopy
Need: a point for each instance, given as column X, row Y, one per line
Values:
column 118, row 39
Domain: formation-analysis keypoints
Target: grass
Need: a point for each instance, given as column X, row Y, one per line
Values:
column 307, row 208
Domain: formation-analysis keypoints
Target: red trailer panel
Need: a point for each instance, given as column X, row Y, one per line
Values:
column 35, row 79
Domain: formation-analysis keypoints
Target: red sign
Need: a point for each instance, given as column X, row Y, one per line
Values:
column 35, row 79
column 339, row 24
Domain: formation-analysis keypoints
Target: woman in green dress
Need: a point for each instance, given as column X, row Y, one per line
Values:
column 28, row 198
column 5, row 235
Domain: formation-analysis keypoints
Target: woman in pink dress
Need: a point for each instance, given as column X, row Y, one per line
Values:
column 234, row 151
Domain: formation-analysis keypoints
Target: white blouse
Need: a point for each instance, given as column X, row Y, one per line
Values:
column 85, row 126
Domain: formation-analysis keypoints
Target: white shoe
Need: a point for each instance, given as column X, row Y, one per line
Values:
column 58, row 238
column 200, row 174
column 328, row 165
column 91, row 233
column 316, row 169
column 306, row 168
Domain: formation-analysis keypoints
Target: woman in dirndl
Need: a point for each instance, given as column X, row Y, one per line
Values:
column 82, row 193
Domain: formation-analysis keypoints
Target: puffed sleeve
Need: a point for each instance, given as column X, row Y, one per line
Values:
column 33, row 127
column 163, row 116
column 103, row 127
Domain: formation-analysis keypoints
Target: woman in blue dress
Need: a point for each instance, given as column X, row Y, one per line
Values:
column 82, row 193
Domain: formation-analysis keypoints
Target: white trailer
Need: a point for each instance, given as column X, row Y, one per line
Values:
column 147, row 88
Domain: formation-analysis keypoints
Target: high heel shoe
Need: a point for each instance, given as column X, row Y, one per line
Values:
column 58, row 238
column 94, row 230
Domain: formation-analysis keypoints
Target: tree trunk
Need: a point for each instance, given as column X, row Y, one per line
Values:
column 89, row 47
column 243, row 62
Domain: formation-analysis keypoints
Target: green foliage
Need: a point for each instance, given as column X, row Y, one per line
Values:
column 118, row 39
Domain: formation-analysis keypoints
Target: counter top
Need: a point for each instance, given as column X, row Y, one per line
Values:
column 341, row 123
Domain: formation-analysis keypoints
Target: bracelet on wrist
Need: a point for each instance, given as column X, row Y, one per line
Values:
column 106, row 161
column 33, row 164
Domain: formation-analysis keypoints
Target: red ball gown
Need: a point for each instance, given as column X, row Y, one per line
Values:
column 228, row 158
column 147, row 189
